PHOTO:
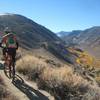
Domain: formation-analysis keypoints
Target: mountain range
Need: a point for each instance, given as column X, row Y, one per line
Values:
column 88, row 39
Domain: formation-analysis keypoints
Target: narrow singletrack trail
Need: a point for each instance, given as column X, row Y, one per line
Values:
column 22, row 89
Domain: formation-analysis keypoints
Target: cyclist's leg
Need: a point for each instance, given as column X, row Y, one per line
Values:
column 9, row 64
column 13, row 65
column 12, row 52
column 13, row 60
column 4, row 54
column 9, row 60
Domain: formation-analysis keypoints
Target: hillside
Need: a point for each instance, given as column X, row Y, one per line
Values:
column 45, row 65
column 33, row 36
column 62, row 33
column 88, row 39
column 28, row 32
column 68, row 35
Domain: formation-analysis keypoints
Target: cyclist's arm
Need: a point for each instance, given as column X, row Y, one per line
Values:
column 17, row 44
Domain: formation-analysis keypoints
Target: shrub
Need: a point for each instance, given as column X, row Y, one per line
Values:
column 30, row 66
column 62, row 82
column 92, row 94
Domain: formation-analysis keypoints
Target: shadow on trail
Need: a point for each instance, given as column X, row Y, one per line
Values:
column 29, row 91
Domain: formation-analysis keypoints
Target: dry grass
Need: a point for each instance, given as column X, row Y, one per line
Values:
column 92, row 94
column 97, row 63
column 2, row 89
column 30, row 66
column 4, row 94
column 61, row 82
column 63, row 75
column 1, row 80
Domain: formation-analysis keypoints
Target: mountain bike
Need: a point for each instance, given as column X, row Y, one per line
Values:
column 9, row 65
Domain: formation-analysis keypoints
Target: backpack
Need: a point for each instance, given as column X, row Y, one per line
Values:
column 11, row 41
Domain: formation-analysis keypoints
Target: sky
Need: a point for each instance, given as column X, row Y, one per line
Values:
column 56, row 15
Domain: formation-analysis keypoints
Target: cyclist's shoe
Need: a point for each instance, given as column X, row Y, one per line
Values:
column 13, row 78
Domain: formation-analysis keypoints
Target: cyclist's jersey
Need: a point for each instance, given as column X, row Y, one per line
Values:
column 9, row 41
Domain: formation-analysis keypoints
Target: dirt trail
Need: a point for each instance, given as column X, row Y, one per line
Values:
column 22, row 89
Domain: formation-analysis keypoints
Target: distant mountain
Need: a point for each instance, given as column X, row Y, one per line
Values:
column 88, row 39
column 62, row 33
column 71, row 36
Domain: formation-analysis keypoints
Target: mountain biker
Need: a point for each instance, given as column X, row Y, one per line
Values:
column 9, row 44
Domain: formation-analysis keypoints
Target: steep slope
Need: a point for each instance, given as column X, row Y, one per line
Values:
column 29, row 32
column 90, row 36
column 34, row 36
column 90, row 41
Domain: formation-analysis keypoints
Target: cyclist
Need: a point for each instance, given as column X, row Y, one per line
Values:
column 10, row 45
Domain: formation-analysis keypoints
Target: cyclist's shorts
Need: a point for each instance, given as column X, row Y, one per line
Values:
column 12, row 51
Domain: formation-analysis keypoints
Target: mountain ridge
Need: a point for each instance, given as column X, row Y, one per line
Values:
column 24, row 26
column 88, row 39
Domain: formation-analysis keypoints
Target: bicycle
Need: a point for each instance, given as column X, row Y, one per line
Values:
column 9, row 65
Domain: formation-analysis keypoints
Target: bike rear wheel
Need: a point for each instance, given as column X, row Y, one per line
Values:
column 10, row 73
column 9, row 70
